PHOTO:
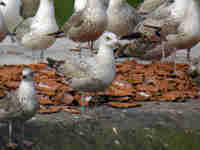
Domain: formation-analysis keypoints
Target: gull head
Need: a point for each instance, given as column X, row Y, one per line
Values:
column 27, row 74
column 109, row 39
column 2, row 3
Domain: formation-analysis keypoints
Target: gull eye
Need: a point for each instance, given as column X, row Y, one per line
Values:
column 108, row 38
column 2, row 3
column 24, row 77
column 171, row 1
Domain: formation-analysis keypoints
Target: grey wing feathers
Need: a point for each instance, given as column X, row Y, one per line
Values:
column 161, row 12
column 89, row 83
column 74, row 21
column 131, row 14
column 76, row 67
column 9, row 106
column 23, row 28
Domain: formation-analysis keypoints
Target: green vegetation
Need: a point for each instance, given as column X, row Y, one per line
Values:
column 64, row 9
column 91, row 135
column 135, row 3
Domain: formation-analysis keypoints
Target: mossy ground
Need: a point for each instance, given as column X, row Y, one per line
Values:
column 90, row 135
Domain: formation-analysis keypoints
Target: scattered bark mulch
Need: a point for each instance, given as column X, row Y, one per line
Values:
column 134, row 83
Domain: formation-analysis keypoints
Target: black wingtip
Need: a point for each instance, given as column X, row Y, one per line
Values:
column 57, row 34
column 153, row 27
column 131, row 36
column 52, row 63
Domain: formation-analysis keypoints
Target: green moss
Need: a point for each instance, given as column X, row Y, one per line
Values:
column 90, row 134
column 135, row 3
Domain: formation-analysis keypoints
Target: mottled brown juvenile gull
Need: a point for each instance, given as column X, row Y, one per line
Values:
column 19, row 105
column 122, row 17
column 187, row 32
column 179, row 24
column 33, row 32
column 92, row 74
column 88, row 24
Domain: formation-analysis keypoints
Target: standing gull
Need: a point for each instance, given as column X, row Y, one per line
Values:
column 187, row 32
column 92, row 74
column 3, row 27
column 88, row 24
column 122, row 17
column 11, row 13
column 19, row 105
column 178, row 23
column 33, row 32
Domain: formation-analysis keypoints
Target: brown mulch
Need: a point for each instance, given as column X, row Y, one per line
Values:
column 134, row 83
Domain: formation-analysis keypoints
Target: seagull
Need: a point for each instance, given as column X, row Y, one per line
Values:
column 33, row 32
column 20, row 105
column 11, row 12
column 92, row 74
column 88, row 24
column 178, row 24
column 3, row 27
column 185, row 22
column 122, row 17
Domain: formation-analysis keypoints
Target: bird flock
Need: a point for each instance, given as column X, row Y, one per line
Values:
column 175, row 22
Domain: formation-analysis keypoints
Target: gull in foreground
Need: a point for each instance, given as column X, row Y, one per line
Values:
column 88, row 24
column 19, row 105
column 122, row 17
column 92, row 74
column 33, row 32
